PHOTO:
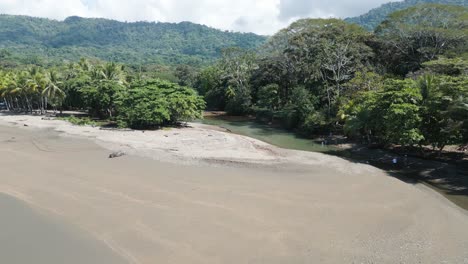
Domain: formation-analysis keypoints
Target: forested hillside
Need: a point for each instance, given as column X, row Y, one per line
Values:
column 44, row 41
column 404, row 84
column 374, row 17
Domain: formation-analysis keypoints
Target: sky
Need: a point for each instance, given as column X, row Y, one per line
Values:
column 259, row 16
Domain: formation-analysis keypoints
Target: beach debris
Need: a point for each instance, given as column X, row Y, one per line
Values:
column 117, row 154
column 227, row 129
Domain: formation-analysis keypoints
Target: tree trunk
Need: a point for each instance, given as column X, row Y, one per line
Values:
column 441, row 149
column 6, row 103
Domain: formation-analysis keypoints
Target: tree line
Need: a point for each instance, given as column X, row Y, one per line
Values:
column 106, row 90
column 45, row 42
column 405, row 83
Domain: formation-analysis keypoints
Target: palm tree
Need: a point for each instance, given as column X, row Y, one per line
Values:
column 5, row 80
column 24, row 86
column 40, row 82
column 52, row 91
column 84, row 65
column 111, row 72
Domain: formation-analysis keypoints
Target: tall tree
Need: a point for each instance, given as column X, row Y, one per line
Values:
column 421, row 33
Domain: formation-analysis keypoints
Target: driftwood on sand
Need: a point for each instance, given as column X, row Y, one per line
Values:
column 117, row 154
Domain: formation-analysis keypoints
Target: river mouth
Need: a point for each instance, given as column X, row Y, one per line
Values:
column 28, row 236
column 271, row 135
column 152, row 212
column 449, row 180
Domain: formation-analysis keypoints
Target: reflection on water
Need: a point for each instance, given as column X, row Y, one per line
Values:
column 27, row 236
column 268, row 134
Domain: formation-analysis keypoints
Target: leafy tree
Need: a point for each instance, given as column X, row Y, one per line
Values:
column 444, row 110
column 299, row 108
column 44, row 42
column 363, row 81
column 390, row 116
column 100, row 96
column 210, row 84
column 418, row 34
column 52, row 92
column 186, row 75
column 155, row 103
column 372, row 19
column 328, row 51
column 237, row 66
column 447, row 66
column 268, row 97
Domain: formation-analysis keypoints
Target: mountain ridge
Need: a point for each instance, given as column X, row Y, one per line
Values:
column 129, row 42
column 375, row 16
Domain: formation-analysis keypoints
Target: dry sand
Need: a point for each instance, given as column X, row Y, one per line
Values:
column 291, row 207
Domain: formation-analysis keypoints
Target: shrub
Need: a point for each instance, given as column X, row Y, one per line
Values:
column 156, row 103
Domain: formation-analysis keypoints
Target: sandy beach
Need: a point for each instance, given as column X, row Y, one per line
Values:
column 234, row 200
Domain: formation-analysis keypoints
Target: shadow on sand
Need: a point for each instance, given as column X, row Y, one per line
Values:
column 448, row 178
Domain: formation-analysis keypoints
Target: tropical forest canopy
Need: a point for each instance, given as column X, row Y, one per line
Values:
column 374, row 17
column 43, row 42
column 406, row 83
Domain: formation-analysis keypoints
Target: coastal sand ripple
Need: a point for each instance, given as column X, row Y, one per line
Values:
column 270, row 206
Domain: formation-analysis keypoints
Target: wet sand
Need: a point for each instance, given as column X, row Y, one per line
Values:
column 28, row 236
column 145, row 211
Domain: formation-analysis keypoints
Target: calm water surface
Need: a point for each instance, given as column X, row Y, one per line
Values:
column 275, row 136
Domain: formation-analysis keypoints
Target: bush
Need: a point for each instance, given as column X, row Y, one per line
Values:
column 314, row 123
column 156, row 103
column 289, row 118
column 80, row 121
column 268, row 97
column 239, row 101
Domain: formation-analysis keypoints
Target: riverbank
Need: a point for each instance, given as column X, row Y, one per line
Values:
column 196, row 144
column 447, row 176
column 260, row 210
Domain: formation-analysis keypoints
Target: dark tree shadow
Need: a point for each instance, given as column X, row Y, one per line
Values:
column 448, row 178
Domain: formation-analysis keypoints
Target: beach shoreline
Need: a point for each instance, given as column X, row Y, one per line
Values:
column 267, row 207
column 195, row 144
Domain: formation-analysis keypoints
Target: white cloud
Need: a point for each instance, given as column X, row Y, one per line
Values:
column 259, row 16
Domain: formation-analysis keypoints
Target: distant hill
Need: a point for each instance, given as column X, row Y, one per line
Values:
column 374, row 17
column 42, row 40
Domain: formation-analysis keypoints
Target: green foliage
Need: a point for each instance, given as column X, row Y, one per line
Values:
column 405, row 84
column 226, row 85
column 363, row 81
column 42, row 41
column 390, row 115
column 186, row 75
column 413, row 36
column 210, row 84
column 154, row 103
column 299, row 108
column 444, row 109
column 99, row 97
column 314, row 124
column 326, row 54
column 447, row 66
column 374, row 17
column 80, row 121
column 267, row 97
column 400, row 119
column 430, row 111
